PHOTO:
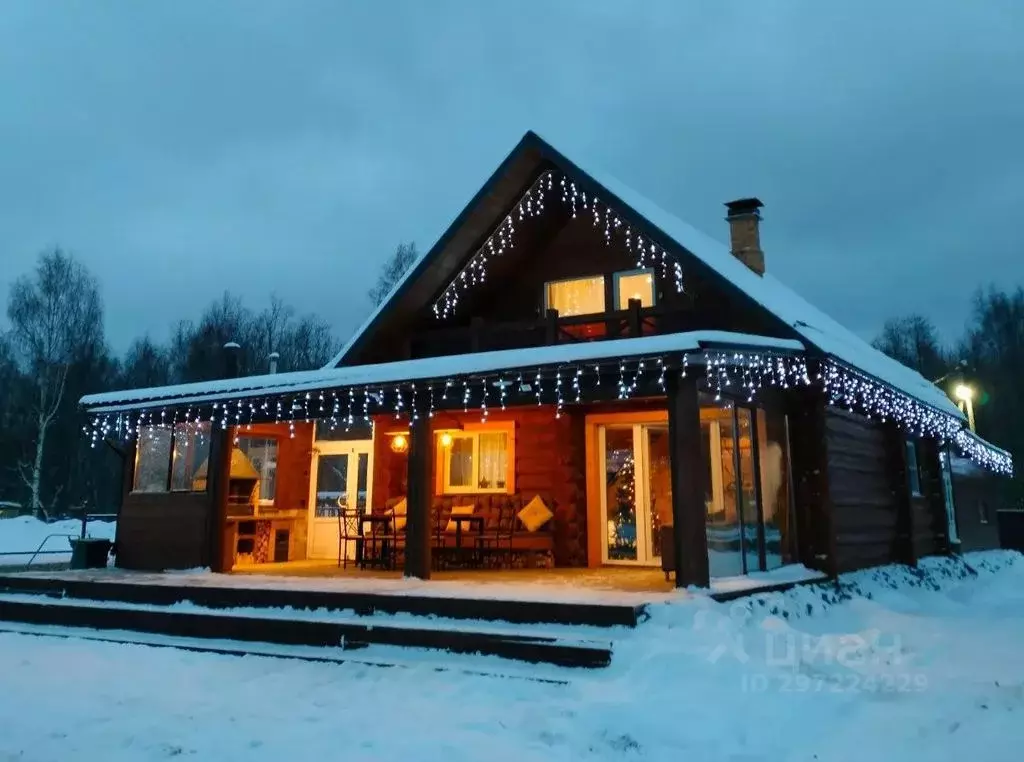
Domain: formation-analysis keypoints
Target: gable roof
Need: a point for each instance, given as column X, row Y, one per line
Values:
column 428, row 276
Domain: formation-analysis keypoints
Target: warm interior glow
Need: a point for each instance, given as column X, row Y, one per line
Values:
column 964, row 392
column 578, row 296
column 399, row 443
column 638, row 285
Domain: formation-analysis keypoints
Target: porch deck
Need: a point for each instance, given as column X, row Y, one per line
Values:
column 609, row 586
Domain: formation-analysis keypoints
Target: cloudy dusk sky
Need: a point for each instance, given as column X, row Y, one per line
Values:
column 179, row 149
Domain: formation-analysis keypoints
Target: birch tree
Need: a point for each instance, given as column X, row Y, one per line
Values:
column 56, row 317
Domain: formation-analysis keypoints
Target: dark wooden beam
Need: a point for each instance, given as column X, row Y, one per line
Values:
column 689, row 469
column 127, row 455
column 221, row 557
column 419, row 494
column 755, row 449
column 808, row 432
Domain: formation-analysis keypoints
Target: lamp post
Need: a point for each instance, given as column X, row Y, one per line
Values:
column 965, row 396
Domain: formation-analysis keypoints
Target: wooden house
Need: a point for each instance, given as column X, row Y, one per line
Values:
column 592, row 381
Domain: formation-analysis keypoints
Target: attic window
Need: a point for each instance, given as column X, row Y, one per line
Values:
column 634, row 284
column 576, row 296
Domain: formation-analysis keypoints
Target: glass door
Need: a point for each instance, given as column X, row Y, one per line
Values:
column 636, row 496
column 340, row 480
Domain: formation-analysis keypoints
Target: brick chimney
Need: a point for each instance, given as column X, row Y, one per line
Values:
column 744, row 231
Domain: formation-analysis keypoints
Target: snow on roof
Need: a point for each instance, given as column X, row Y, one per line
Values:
column 428, row 368
column 807, row 320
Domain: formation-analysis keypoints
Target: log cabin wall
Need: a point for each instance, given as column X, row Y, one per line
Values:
column 865, row 506
column 164, row 530
column 549, row 461
column 978, row 496
column 808, row 443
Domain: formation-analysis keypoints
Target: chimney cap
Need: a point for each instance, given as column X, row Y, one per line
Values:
column 743, row 206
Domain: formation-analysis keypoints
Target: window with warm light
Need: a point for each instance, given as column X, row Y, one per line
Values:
column 262, row 453
column 576, row 296
column 475, row 461
column 190, row 450
column 635, row 284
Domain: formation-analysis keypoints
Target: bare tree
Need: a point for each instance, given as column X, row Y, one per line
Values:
column 913, row 341
column 308, row 344
column 56, row 316
column 267, row 333
column 392, row 272
column 145, row 365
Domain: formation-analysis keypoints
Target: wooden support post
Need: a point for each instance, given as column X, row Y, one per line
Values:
column 419, row 494
column 755, row 449
column 634, row 317
column 808, row 443
column 127, row 483
column 551, row 327
column 689, row 536
column 220, row 557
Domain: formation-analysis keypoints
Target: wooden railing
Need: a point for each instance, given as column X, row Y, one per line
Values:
column 552, row 328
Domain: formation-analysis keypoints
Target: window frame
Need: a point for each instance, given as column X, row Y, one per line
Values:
column 208, row 429
column 474, row 430
column 913, row 465
column 263, row 502
column 138, row 457
column 594, row 276
column 619, row 274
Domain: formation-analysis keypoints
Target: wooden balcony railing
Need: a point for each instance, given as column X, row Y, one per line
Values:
column 552, row 328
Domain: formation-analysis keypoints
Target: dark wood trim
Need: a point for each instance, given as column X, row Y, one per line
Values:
column 755, row 451
column 420, row 483
column 809, row 460
column 220, row 557
column 689, row 514
column 127, row 454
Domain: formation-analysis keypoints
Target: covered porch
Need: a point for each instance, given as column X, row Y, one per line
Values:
column 645, row 463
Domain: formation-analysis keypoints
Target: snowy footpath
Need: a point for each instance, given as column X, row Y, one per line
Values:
column 890, row 665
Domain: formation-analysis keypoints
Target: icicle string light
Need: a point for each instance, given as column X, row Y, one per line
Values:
column 727, row 375
column 646, row 253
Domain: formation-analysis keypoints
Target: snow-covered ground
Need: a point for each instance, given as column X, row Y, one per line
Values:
column 25, row 533
column 892, row 665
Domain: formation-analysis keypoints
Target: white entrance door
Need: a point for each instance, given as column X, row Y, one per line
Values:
column 340, row 479
column 636, row 494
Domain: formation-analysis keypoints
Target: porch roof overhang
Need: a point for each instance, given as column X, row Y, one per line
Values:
column 431, row 368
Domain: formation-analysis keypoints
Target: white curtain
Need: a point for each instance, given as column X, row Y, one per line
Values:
column 581, row 296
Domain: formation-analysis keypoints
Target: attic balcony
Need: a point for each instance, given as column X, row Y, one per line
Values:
column 551, row 329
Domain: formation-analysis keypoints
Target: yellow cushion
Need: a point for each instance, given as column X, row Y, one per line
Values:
column 461, row 510
column 401, row 507
column 535, row 514
column 399, row 522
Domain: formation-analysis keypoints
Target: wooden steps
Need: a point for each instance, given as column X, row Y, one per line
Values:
column 522, row 630
column 360, row 603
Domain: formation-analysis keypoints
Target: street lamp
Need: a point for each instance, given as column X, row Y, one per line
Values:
column 965, row 394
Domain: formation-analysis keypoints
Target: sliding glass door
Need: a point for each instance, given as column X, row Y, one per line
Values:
column 749, row 524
